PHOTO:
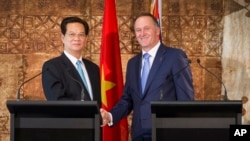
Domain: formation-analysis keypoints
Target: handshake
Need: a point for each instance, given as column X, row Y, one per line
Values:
column 106, row 117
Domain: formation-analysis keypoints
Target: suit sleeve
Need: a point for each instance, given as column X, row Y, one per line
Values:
column 52, row 82
column 183, row 81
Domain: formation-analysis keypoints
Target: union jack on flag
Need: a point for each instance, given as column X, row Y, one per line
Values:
column 156, row 10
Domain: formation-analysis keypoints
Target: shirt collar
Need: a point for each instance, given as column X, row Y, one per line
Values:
column 152, row 52
column 72, row 58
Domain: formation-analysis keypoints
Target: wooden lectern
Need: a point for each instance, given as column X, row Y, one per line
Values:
column 54, row 120
column 194, row 120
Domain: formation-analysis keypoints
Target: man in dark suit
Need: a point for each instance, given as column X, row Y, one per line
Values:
column 169, row 79
column 60, row 78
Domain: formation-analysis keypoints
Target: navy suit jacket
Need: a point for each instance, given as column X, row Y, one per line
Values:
column 61, row 80
column 164, row 83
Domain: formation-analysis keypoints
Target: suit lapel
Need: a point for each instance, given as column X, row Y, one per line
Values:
column 70, row 68
column 137, row 74
column 155, row 67
column 88, row 69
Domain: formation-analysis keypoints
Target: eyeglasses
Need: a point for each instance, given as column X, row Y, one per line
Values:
column 73, row 35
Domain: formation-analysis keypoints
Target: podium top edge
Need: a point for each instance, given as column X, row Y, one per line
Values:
column 54, row 107
column 198, row 102
column 44, row 102
column 201, row 108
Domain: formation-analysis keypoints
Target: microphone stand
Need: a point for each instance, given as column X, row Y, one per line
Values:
column 225, row 90
column 82, row 88
column 18, row 91
column 171, row 76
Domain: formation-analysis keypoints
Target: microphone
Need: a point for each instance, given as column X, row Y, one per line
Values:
column 18, row 91
column 171, row 76
column 82, row 88
column 225, row 90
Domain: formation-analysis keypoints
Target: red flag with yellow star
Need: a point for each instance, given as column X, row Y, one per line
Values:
column 111, row 72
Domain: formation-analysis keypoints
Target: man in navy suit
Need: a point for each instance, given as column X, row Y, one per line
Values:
column 169, row 79
column 60, row 78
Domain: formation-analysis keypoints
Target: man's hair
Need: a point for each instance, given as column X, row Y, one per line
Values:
column 68, row 20
column 145, row 15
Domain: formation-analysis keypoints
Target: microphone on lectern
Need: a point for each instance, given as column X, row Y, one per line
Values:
column 178, row 72
column 80, row 84
column 18, row 91
column 225, row 90
column 171, row 76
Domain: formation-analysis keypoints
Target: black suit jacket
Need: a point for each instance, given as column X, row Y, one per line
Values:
column 61, row 80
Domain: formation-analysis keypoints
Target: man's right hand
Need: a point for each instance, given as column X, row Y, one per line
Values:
column 105, row 117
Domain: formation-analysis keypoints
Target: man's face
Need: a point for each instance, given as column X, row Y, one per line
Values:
column 74, row 39
column 147, row 33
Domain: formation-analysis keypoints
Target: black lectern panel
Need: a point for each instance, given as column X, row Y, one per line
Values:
column 194, row 120
column 54, row 120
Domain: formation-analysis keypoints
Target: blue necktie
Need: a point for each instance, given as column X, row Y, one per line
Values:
column 80, row 71
column 145, row 71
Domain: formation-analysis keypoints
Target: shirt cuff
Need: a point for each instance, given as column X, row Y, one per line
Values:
column 111, row 120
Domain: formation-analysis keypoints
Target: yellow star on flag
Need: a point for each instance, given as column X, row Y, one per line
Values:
column 105, row 86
